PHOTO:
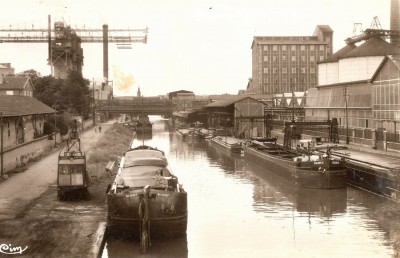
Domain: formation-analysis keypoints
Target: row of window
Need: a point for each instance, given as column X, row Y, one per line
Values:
column 285, row 79
column 285, row 70
column 293, row 58
column 293, row 47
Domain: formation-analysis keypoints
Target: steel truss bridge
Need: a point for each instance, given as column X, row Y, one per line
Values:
column 135, row 106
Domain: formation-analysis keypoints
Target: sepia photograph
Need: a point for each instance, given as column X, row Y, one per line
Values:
column 200, row 128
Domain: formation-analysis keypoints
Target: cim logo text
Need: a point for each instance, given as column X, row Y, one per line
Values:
column 9, row 249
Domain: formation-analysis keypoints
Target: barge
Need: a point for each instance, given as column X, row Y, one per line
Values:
column 146, row 197
column 228, row 143
column 302, row 167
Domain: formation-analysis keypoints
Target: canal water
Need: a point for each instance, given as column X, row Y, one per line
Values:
column 237, row 209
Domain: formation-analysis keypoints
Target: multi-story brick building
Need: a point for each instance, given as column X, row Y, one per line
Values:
column 288, row 63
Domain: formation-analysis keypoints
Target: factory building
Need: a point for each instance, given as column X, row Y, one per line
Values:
column 282, row 64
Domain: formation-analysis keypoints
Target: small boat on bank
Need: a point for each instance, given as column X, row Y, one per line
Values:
column 303, row 167
column 228, row 143
column 146, row 197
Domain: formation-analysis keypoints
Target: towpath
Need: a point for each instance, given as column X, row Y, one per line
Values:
column 32, row 217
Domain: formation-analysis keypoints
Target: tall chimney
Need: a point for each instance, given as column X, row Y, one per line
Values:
column 395, row 19
column 105, row 52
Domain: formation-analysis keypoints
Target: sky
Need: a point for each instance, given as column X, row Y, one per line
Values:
column 202, row 46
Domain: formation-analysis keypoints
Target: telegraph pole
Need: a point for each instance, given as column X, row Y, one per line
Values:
column 94, row 103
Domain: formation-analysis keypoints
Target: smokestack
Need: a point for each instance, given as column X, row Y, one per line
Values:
column 395, row 19
column 105, row 52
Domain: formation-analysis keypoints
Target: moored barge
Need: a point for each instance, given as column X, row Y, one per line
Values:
column 146, row 197
column 305, row 168
column 228, row 143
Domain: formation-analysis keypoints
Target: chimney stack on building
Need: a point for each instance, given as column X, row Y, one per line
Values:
column 395, row 20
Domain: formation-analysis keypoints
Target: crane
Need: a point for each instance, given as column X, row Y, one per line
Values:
column 374, row 30
column 64, row 43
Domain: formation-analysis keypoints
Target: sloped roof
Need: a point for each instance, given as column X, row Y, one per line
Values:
column 340, row 53
column 22, row 106
column 180, row 91
column 229, row 101
column 396, row 60
column 325, row 28
column 14, row 83
column 375, row 46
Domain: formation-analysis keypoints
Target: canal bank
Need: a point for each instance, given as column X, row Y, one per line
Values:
column 46, row 226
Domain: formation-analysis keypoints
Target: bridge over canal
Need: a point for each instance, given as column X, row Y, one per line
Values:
column 135, row 106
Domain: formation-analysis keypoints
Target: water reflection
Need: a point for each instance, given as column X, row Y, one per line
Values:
column 237, row 209
column 169, row 248
column 316, row 202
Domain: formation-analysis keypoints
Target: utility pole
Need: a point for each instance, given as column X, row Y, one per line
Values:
column 346, row 114
column 94, row 104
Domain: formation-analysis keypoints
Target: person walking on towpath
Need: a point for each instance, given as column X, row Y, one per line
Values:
column 99, row 129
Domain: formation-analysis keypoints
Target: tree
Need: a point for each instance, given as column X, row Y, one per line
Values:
column 48, row 90
column 72, row 94
column 76, row 94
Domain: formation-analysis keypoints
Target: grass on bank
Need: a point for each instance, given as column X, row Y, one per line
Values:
column 110, row 147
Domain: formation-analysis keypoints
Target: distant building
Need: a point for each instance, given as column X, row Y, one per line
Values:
column 288, row 63
column 6, row 69
column 20, row 86
column 182, row 99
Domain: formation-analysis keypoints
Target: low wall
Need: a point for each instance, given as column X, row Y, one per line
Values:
column 19, row 155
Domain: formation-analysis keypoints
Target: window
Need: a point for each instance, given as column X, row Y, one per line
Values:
column 284, row 70
column 302, row 47
column 275, row 58
column 265, row 48
column 303, row 70
column 265, row 58
column 284, row 79
column 321, row 47
column 321, row 58
column 293, row 48
column 312, row 59
column 293, row 58
column 293, row 70
column 283, row 58
column 283, row 47
column 266, row 79
column 274, row 47
column 9, row 92
column 312, row 48
column 303, row 58
column 312, row 70
column 274, row 70
column 266, row 70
